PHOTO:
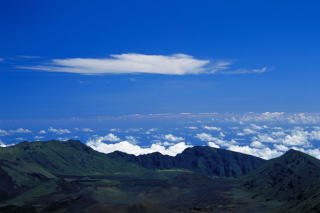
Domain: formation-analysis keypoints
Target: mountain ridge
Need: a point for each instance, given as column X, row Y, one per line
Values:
column 69, row 176
column 203, row 159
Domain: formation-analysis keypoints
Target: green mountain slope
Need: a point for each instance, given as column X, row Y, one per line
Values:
column 26, row 165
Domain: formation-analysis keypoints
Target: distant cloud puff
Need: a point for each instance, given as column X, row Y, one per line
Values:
column 20, row 130
column 176, row 64
column 172, row 138
column 3, row 132
column 213, row 141
column 213, row 128
column 109, row 137
column 42, row 132
column 84, row 129
column 37, row 138
column 59, row 131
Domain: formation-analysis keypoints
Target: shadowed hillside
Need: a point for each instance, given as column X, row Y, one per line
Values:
column 201, row 159
column 293, row 178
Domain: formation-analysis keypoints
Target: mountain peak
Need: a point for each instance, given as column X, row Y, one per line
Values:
column 281, row 177
column 292, row 151
column 293, row 155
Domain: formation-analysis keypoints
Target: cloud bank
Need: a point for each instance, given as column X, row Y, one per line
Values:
column 176, row 64
column 100, row 144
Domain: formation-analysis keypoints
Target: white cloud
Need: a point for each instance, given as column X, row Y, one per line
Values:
column 315, row 135
column 109, row 137
column 192, row 127
column 257, row 144
column 42, row 132
column 165, row 143
column 297, row 138
column 213, row 128
column 151, row 130
column 221, row 134
column 281, row 147
column 209, row 138
column 314, row 152
column 205, row 137
column 211, row 144
column 84, row 129
column 131, row 139
column 172, row 138
column 176, row 64
column 2, row 144
column 266, row 138
column 293, row 137
column 38, row 137
column 246, row 71
column 127, row 147
column 63, row 139
column 59, row 131
column 20, row 139
column 247, row 131
column 20, row 130
column 3, row 132
column 14, row 131
column 265, row 153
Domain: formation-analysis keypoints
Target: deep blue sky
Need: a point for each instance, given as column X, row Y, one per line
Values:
column 283, row 36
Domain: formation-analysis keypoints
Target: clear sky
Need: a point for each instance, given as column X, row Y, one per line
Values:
column 62, row 59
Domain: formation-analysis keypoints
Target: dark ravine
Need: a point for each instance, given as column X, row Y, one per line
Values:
column 201, row 159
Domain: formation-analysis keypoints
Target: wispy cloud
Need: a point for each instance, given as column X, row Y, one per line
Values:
column 245, row 71
column 59, row 131
column 28, row 56
column 176, row 64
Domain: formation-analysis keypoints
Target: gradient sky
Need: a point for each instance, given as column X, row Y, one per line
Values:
column 259, row 55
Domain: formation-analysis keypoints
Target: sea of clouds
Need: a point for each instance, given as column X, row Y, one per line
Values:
column 266, row 135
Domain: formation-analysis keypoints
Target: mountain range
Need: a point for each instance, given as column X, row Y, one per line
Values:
column 57, row 176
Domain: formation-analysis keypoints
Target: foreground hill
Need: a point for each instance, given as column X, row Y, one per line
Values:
column 29, row 163
column 293, row 177
column 55, row 176
column 200, row 159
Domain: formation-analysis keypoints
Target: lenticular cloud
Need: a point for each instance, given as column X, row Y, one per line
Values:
column 177, row 64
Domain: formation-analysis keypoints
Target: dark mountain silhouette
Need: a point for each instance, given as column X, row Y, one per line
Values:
column 55, row 176
column 201, row 159
column 293, row 177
